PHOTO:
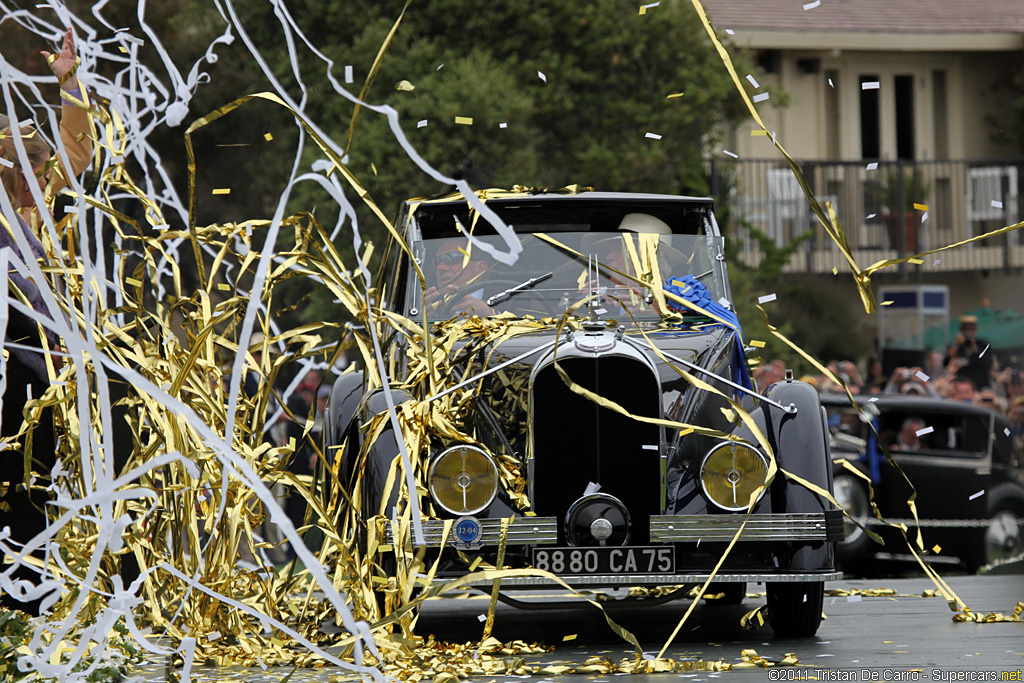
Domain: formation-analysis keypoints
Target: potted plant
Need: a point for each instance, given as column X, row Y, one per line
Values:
column 901, row 188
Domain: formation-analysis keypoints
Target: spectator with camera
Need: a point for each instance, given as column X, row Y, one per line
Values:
column 969, row 359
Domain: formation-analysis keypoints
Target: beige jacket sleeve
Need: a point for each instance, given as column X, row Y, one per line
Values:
column 74, row 133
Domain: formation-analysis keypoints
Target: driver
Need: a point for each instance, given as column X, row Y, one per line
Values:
column 458, row 283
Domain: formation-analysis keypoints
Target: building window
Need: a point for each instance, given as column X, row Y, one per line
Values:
column 869, row 123
column 904, row 89
column 941, row 122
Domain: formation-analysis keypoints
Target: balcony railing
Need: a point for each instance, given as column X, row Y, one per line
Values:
column 888, row 210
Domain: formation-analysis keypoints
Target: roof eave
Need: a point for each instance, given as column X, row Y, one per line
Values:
column 765, row 39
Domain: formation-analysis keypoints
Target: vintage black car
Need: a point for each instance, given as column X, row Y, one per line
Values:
column 599, row 421
column 963, row 461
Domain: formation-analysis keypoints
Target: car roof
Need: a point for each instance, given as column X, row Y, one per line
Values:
column 906, row 403
column 570, row 194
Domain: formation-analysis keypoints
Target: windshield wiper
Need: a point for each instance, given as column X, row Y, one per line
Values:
column 512, row 291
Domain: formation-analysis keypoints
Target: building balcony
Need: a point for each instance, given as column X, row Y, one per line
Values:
column 887, row 210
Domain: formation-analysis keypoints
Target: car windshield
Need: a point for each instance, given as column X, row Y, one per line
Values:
column 559, row 271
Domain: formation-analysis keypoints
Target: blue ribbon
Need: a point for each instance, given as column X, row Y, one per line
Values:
column 696, row 292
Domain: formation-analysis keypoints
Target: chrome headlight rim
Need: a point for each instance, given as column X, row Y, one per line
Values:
column 739, row 507
column 437, row 459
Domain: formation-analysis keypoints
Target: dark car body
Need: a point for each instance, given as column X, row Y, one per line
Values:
column 966, row 472
column 613, row 489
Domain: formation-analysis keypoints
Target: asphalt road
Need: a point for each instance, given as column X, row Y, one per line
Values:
column 895, row 637
column 899, row 633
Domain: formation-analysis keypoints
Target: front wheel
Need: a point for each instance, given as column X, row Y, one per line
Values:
column 1004, row 535
column 794, row 609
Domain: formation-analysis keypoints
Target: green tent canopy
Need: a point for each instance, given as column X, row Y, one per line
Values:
column 1001, row 329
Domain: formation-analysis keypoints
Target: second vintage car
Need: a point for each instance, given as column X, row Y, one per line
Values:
column 962, row 462
column 573, row 414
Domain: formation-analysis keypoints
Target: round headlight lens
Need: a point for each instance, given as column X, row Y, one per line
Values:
column 463, row 480
column 731, row 472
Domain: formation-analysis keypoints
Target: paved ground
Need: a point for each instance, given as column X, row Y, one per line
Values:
column 901, row 637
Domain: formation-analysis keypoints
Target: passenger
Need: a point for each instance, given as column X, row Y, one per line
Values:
column 458, row 284
column 908, row 440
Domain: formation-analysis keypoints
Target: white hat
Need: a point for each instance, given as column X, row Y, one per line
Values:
column 644, row 222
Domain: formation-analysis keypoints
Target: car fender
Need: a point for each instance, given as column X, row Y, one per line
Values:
column 381, row 452
column 801, row 445
column 346, row 395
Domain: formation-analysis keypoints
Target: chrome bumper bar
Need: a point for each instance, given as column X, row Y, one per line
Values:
column 521, row 531
column 812, row 526
column 801, row 527
column 653, row 579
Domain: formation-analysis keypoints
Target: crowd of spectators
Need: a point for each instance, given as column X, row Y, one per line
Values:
column 966, row 371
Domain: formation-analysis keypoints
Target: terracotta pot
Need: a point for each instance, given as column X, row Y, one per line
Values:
column 909, row 241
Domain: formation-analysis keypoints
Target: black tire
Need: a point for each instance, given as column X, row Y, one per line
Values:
column 1004, row 535
column 855, row 551
column 794, row 609
column 733, row 593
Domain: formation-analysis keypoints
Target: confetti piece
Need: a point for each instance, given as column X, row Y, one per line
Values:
column 464, row 120
column 541, row 76
column 675, row 94
column 653, row 136
column 223, row 287
column 568, row 638
column 373, row 167
column 268, row 137
column 924, row 217
column 915, row 261
column 502, row 125
column 757, row 344
column 481, row 618
column 650, row 5
column 530, row 513
column 937, row 262
column 920, row 207
column 766, row 298
column 870, row 216
column 730, row 154
column 730, row 32
column 982, row 354
column 872, row 166
column 650, row 447
column 476, row 563
column 812, row 5
column 404, row 86
column 997, row 204
column 133, row 282
column 5, row 163
column 761, row 97
column 887, row 303
column 925, row 430
column 758, row 132
column 870, row 85
column 422, row 123
column 1006, row 431
column 348, row 73
column 979, row 494
column 222, row 190
column 936, row 549
column 830, row 83
column 753, row 81
column 835, row 271
column 921, row 376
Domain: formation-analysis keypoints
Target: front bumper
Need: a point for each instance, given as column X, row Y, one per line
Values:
column 826, row 525
column 617, row 580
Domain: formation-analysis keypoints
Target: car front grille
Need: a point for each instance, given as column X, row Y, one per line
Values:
column 575, row 441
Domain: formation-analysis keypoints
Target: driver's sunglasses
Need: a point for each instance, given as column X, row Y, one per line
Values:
column 449, row 258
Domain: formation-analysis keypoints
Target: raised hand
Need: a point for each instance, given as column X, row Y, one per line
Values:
column 65, row 64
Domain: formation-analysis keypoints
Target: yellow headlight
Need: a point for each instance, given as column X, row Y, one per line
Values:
column 731, row 472
column 463, row 480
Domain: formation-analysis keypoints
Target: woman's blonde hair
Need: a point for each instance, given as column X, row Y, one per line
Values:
column 37, row 149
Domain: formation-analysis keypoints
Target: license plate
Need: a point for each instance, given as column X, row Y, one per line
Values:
column 606, row 560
